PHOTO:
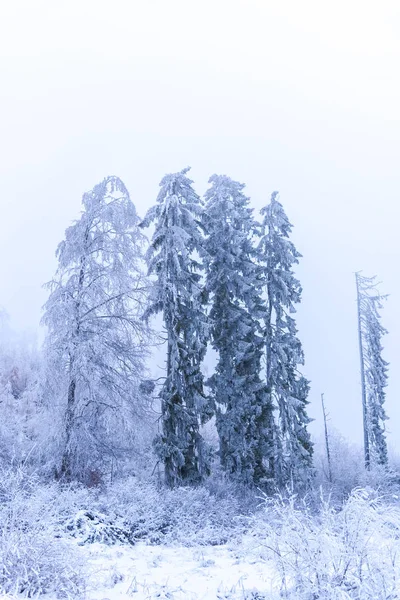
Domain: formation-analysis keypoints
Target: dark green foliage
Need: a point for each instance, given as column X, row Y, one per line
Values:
column 173, row 258
column 244, row 413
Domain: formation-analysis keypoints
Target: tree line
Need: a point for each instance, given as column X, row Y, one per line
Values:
column 219, row 277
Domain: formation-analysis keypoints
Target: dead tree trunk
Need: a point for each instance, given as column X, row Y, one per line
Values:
column 328, row 453
column 367, row 457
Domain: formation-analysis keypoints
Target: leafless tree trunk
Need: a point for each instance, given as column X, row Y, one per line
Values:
column 363, row 388
column 328, row 453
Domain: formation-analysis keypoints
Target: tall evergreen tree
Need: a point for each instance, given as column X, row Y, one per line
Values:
column 96, row 344
column 244, row 413
column 173, row 258
column 287, row 388
column 374, row 370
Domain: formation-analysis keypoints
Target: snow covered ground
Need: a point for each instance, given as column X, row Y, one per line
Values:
column 143, row 572
column 285, row 549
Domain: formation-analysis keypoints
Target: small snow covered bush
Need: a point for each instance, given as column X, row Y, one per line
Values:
column 350, row 553
column 187, row 516
column 33, row 560
column 92, row 526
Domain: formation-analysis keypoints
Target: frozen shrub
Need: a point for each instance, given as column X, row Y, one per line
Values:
column 32, row 564
column 187, row 516
column 91, row 526
column 33, row 561
column 337, row 554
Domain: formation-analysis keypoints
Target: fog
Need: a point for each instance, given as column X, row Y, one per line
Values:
column 300, row 97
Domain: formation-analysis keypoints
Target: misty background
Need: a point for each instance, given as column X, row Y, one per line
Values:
column 300, row 97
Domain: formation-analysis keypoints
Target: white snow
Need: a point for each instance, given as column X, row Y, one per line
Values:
column 144, row 572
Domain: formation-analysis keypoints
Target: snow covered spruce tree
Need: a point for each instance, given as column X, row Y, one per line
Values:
column 173, row 258
column 287, row 388
column 374, row 370
column 244, row 412
column 97, row 341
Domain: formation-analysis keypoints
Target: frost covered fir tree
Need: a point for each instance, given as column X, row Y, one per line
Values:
column 287, row 388
column 244, row 413
column 173, row 258
column 96, row 343
column 374, row 370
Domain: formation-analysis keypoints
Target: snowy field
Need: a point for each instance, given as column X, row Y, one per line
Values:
column 134, row 540
column 144, row 572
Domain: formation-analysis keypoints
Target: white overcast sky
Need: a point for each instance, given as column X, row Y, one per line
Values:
column 297, row 96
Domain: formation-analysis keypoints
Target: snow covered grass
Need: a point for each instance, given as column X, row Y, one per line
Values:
column 33, row 561
column 351, row 553
column 193, row 544
column 184, row 516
